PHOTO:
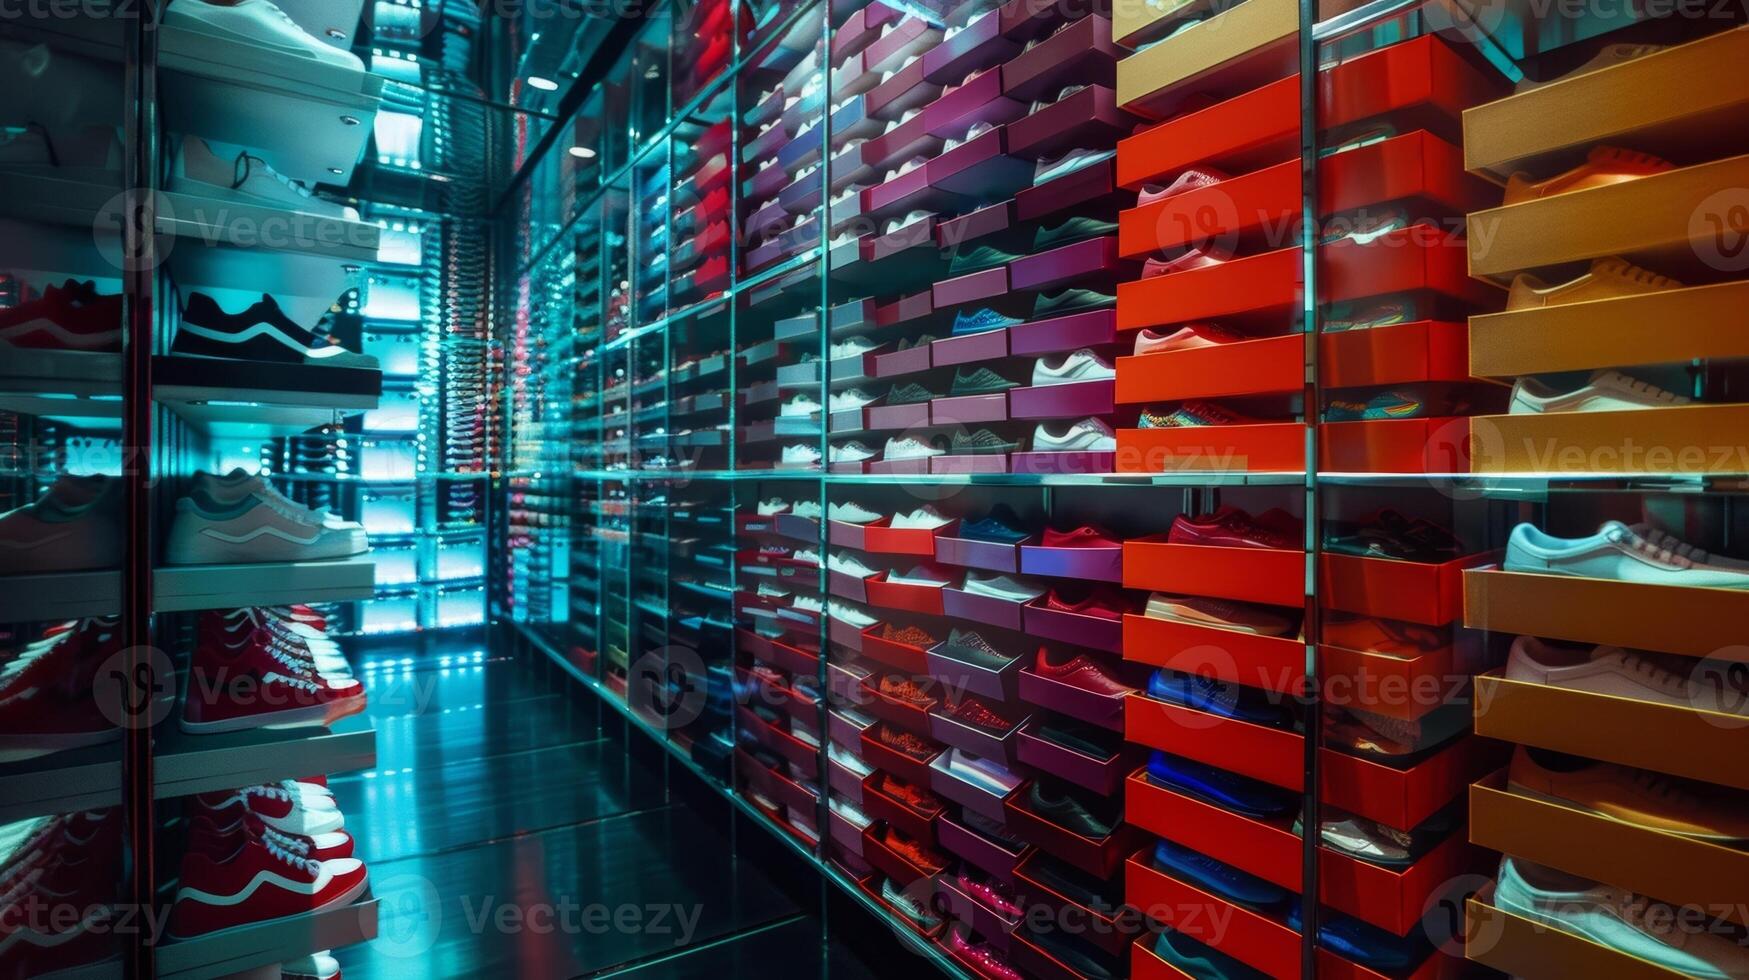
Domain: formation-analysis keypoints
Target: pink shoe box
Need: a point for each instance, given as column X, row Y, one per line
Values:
column 848, row 167
column 906, row 90
column 992, row 857
column 999, row 684
column 910, row 416
column 851, row 76
column 847, row 586
column 1068, row 191
column 766, row 183
column 861, row 29
column 1024, row 20
column 844, row 634
column 1098, row 857
column 905, row 193
column 911, row 36
column 913, row 306
column 988, row 610
column 972, row 287
column 917, row 233
column 844, row 781
column 846, row 730
column 1095, row 709
column 980, row 168
column 1077, row 462
column 844, row 681
column 851, row 317
column 1079, row 629
column 890, row 149
column 980, row 45
column 990, row 345
column 847, row 467
column 1093, row 328
column 949, row 785
column 1090, row 117
column 993, row 556
column 968, row 409
column 1077, row 399
column 970, row 463
column 1095, row 564
column 1104, row 776
column 949, row 730
column 911, row 770
column 1067, row 264
column 845, row 535
column 979, row 100
column 987, row 220
column 844, row 833
column 992, row 926
column 1081, row 54
column 902, row 362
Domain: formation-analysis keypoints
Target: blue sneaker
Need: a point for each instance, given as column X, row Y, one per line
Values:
column 1242, row 794
column 1218, row 697
column 1201, row 961
column 1214, row 876
column 1390, row 405
column 1365, row 943
column 981, row 320
column 1000, row 525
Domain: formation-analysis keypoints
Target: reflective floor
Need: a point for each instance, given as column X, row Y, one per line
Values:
column 510, row 832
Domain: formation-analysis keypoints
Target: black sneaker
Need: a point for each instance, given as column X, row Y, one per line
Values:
column 1070, row 301
column 1069, row 813
column 909, row 394
column 978, row 259
column 967, row 646
column 260, row 333
column 979, row 381
column 981, row 443
column 923, row 341
column 1073, row 230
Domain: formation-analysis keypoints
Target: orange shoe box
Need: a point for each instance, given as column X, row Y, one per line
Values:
column 1271, row 663
column 1248, row 367
column 1273, row 755
column 1430, row 445
column 1418, row 592
column 1273, row 576
column 1270, row 447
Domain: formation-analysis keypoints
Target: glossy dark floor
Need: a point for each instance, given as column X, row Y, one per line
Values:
column 511, row 832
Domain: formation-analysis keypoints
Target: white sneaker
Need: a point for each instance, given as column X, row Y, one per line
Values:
column 908, row 166
column 1087, row 435
column 232, row 488
column 800, row 406
column 846, row 613
column 850, row 512
column 908, row 447
column 800, row 454
column 806, row 555
column 917, row 576
column 1621, row 673
column 255, row 22
column 76, row 525
column 851, row 452
column 847, row 564
column 978, row 129
column 1607, row 391
column 203, row 173
column 256, row 527
column 320, row 965
column 847, row 400
column 805, row 508
column 895, row 224
column 1001, row 587
column 923, row 518
column 1082, row 365
column 772, row 507
column 849, row 348
column 1616, row 553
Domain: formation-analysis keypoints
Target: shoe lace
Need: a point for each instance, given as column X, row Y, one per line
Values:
column 1670, row 542
column 1648, row 548
column 302, row 683
column 1654, row 673
column 1644, row 389
column 278, row 848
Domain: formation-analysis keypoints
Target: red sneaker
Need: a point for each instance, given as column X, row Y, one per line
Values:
column 322, row 847
column 1095, row 604
column 1084, row 536
column 71, row 316
column 256, row 683
column 48, row 703
column 1228, row 529
column 1080, row 671
column 281, row 807
column 238, row 880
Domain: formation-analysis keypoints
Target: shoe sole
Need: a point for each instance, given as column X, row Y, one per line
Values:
column 345, row 898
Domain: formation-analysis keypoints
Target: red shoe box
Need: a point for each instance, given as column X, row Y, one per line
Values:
column 902, row 657
column 950, row 731
column 1104, row 776
column 922, row 599
column 1402, row 687
column 1417, row 592
column 1405, row 353
column 1100, row 858
column 779, row 742
column 915, row 822
column 879, row 538
column 1270, row 447
column 1272, row 576
column 891, row 863
column 1267, row 365
column 781, row 655
column 1095, row 709
column 1270, row 663
column 1031, row 957
column 1273, row 755
column 775, row 695
column 1108, row 925
column 1403, row 798
column 991, row 857
column 1430, row 445
column 914, row 771
column 1065, row 264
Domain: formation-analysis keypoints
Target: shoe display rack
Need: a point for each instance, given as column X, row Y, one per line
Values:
column 941, row 429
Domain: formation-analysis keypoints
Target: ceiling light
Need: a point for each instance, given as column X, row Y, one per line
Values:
column 544, row 84
column 582, row 153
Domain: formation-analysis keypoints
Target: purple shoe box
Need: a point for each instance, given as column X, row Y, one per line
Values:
column 1093, row 328
column 1095, row 709
column 989, row 924
column 991, row 857
column 910, row 307
column 890, row 149
column 1076, row 399
column 845, row 782
column 854, row 121
column 764, row 217
column 844, row 535
column 986, row 220
column 970, row 463
column 1059, row 266
column 844, row 634
column 979, row 100
column 969, row 795
column 766, row 183
column 990, row 345
column 1046, row 464
column 911, row 36
column 847, row 586
column 766, row 254
column 993, row 556
column 913, row 416
column 980, row 45
column 801, row 196
column 890, row 466
column 1097, row 564
column 980, row 168
column 1090, row 117
column 972, row 287
column 861, row 29
column 906, row 90
column 1081, row 54
column 1103, row 776
column 848, row 167
column 799, row 528
column 917, row 233
column 1077, row 629
column 907, row 192
column 989, row 610
column 1068, row 191
column 761, row 147
column 844, row 833
column 908, row 361
column 948, row 730
column 998, row 684
column 968, row 409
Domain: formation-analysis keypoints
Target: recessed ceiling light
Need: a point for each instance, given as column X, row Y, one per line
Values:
column 544, row 84
column 582, row 153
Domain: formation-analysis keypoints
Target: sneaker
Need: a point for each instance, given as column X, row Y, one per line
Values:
column 1699, row 556
column 1076, row 229
column 854, row 347
column 850, row 615
column 982, row 320
column 48, row 699
column 801, row 406
column 801, row 455
column 1191, row 413
column 242, row 879
column 1002, row 587
column 1224, row 789
column 1343, row 317
column 909, row 394
column 1228, row 528
column 894, row 225
column 1389, row 405
column 1241, row 617
column 1200, row 961
column 255, row 526
column 1087, row 435
column 920, row 576
column 1195, row 336
column 1191, row 259
column 234, row 487
column 772, row 507
column 257, row 681
column 247, row 179
column 1608, row 279
column 71, row 316
column 855, row 398
column 923, row 518
column 1078, row 159
column 1604, row 167
column 985, row 960
column 1190, row 180
column 1633, row 924
column 967, row 646
column 1099, row 605
column 967, row 261
column 847, row 564
column 1632, row 796
column 257, row 23
column 981, row 443
column 316, row 966
column 1218, row 877
column 1085, row 536
column 977, row 129
column 1227, row 700
column 849, row 452
column 76, row 525
column 910, row 447
column 289, row 806
column 1070, row 301
column 912, row 909
column 260, row 333
column 1081, row 671
column 986, row 774
column 1064, row 810
column 978, row 381
column 1001, row 525
column 1607, row 57
column 1621, row 673
column 1615, row 553
column 1390, row 534
column 1065, row 92
column 1082, row 365
column 850, row 512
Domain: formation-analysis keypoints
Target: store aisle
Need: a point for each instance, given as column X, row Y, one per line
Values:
column 510, row 835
